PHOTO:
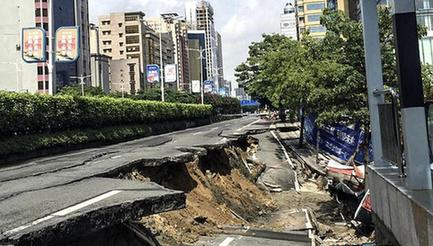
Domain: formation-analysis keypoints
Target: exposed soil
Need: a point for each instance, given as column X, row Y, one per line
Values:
column 221, row 191
column 218, row 194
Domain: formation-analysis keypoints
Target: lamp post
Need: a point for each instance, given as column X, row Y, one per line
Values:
column 81, row 78
column 161, row 62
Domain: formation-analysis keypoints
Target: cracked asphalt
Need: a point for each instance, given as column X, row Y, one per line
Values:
column 44, row 198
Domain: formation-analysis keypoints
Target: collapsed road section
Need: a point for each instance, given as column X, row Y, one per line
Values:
column 67, row 199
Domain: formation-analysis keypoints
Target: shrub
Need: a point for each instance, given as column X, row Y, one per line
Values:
column 220, row 104
column 22, row 114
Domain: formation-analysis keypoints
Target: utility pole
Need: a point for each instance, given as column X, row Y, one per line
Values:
column 81, row 78
column 161, row 62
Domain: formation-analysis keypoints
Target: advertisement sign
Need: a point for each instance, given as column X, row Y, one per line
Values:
column 196, row 86
column 152, row 72
column 208, row 86
column 67, row 44
column 336, row 139
column 33, row 45
column 170, row 73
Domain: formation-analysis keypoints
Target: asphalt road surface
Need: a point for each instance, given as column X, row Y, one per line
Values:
column 59, row 191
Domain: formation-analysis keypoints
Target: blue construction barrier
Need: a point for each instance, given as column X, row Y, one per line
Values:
column 337, row 139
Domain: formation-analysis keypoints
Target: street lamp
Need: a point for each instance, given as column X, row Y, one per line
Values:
column 81, row 78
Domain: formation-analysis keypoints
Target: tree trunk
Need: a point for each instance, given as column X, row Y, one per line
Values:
column 301, row 134
column 282, row 113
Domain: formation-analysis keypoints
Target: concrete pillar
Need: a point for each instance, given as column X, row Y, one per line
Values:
column 411, row 95
column 373, row 64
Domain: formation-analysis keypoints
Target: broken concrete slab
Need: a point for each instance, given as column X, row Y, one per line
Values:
column 54, row 214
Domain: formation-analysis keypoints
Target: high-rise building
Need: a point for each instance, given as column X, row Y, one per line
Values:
column 196, row 44
column 309, row 13
column 177, row 27
column 220, row 69
column 126, row 36
column 205, row 21
column 191, row 14
column 73, row 13
column 288, row 22
column 18, row 76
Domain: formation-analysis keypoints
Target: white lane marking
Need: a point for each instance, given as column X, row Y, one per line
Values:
column 197, row 133
column 227, row 124
column 252, row 123
column 297, row 188
column 64, row 212
column 87, row 203
column 227, row 241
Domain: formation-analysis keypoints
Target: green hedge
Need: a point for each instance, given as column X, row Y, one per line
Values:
column 22, row 114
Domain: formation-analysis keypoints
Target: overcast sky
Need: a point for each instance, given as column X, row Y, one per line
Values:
column 240, row 22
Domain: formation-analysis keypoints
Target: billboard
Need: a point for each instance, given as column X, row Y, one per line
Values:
column 67, row 44
column 208, row 86
column 196, row 86
column 170, row 73
column 34, row 48
column 152, row 73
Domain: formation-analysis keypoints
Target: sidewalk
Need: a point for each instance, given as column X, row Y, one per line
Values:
column 279, row 174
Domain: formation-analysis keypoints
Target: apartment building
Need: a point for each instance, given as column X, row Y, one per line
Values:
column 174, row 25
column 125, row 36
column 309, row 13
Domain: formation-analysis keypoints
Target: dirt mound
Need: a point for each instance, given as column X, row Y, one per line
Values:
column 218, row 194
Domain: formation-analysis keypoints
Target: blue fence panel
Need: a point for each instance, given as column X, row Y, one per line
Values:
column 336, row 139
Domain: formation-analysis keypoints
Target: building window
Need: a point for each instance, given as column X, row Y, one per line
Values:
column 300, row 9
column 133, row 40
column 106, row 32
column 313, row 18
column 120, row 35
column 41, row 70
column 315, row 6
column 40, row 85
column 121, row 44
column 132, row 29
column 106, row 23
column 133, row 49
column 121, row 52
column 44, row 12
column 120, row 24
column 317, row 29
